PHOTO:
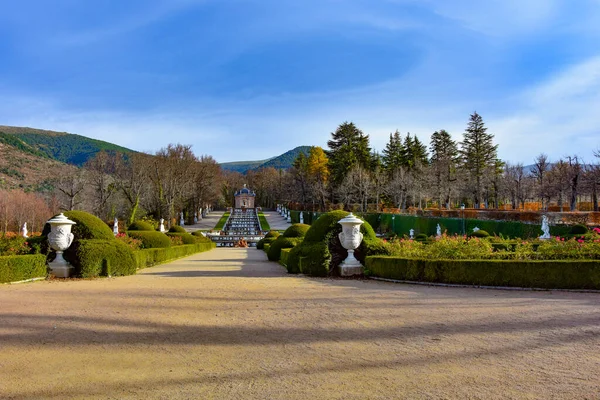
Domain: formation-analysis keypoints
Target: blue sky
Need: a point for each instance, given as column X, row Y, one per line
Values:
column 251, row 79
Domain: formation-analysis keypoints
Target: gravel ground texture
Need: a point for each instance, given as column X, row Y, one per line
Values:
column 226, row 324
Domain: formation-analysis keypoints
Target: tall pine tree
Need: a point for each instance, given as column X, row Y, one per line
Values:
column 479, row 154
column 444, row 160
column 394, row 153
column 348, row 147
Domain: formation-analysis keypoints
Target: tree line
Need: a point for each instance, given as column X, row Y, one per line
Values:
column 408, row 173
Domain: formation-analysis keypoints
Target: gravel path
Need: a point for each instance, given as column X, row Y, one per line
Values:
column 227, row 324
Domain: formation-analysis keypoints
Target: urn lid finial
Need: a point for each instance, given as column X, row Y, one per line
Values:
column 61, row 220
column 351, row 219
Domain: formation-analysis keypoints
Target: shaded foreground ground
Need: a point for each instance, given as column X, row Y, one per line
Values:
column 226, row 324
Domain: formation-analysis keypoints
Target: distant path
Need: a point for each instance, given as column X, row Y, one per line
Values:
column 226, row 324
column 206, row 223
column 276, row 221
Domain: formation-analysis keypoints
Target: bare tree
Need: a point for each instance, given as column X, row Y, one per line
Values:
column 540, row 173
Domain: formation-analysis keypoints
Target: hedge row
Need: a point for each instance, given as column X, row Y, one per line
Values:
column 95, row 257
column 20, row 268
column 149, row 257
column 283, row 259
column 555, row 274
column 151, row 239
column 402, row 224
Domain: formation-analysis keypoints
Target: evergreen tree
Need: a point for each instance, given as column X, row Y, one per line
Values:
column 415, row 152
column 478, row 154
column 394, row 153
column 444, row 160
column 348, row 147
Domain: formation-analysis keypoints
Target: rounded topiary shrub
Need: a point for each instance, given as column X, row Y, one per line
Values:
column 321, row 251
column 186, row 238
column 87, row 226
column 579, row 229
column 480, row 234
column 140, row 226
column 421, row 237
column 282, row 242
column 296, row 230
column 151, row 239
column 177, row 229
column 272, row 234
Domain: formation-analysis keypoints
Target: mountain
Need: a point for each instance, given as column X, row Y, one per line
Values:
column 60, row 146
column 283, row 161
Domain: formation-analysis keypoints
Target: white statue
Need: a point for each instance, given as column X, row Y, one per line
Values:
column 116, row 226
column 24, row 230
column 476, row 229
column 438, row 231
column 301, row 217
column 162, row 225
column 545, row 228
column 411, row 233
column 181, row 220
column 195, row 218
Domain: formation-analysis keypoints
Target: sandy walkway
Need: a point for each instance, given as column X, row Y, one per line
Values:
column 225, row 324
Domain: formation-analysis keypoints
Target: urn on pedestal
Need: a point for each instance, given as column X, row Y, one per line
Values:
column 60, row 238
column 351, row 238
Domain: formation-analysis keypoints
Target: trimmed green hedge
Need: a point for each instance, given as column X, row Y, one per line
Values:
column 96, row 257
column 20, row 268
column 296, row 231
column 200, row 238
column 284, row 256
column 402, row 224
column 222, row 221
column 140, row 226
column 177, row 229
column 281, row 242
column 267, row 246
column 149, row 257
column 555, row 274
column 186, row 238
column 269, row 238
column 151, row 240
column 87, row 226
column 321, row 250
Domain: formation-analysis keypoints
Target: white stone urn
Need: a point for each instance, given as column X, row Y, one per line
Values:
column 60, row 238
column 351, row 238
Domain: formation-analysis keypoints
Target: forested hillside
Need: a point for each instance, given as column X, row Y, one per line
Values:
column 283, row 161
column 61, row 146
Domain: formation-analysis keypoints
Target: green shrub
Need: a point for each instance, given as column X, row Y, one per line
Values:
column 321, row 251
column 281, row 243
column 13, row 245
column 272, row 234
column 421, row 237
column 284, row 256
column 151, row 240
column 87, row 226
column 177, row 229
column 200, row 238
column 579, row 229
column 20, row 268
column 96, row 257
column 149, row 257
column 140, row 226
column 480, row 234
column 266, row 248
column 264, row 241
column 572, row 274
column 296, row 231
column 186, row 238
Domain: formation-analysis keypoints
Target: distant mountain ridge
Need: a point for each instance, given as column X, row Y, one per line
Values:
column 283, row 161
column 66, row 147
